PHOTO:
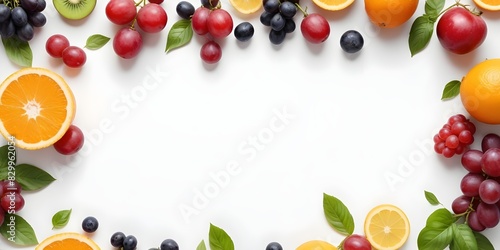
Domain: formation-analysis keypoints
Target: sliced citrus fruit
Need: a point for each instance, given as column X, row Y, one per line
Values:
column 246, row 6
column 316, row 245
column 36, row 107
column 333, row 5
column 387, row 227
column 67, row 241
column 493, row 5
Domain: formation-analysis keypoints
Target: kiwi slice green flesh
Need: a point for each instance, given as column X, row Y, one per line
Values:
column 74, row 9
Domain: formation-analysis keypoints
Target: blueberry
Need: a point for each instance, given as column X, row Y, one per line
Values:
column 351, row 41
column 244, row 31
column 185, row 9
column 130, row 242
column 90, row 224
column 169, row 244
column 274, row 246
column 117, row 239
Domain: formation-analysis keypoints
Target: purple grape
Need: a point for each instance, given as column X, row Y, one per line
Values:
column 461, row 204
column 471, row 161
column 488, row 214
column 470, row 184
column 473, row 222
column 490, row 162
column 489, row 191
column 490, row 141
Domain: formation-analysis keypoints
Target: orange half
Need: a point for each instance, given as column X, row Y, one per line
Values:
column 333, row 5
column 493, row 5
column 36, row 108
column 67, row 241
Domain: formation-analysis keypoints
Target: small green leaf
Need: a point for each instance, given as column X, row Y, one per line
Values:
column 337, row 215
column 441, row 219
column 96, row 41
column 482, row 242
column 32, row 178
column 434, row 239
column 61, row 218
column 434, row 7
column 463, row 237
column 4, row 161
column 18, row 51
column 420, row 34
column 431, row 198
column 201, row 246
column 179, row 35
column 451, row 90
column 219, row 239
column 18, row 231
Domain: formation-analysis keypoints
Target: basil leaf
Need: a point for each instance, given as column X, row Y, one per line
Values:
column 4, row 161
column 179, row 35
column 434, row 239
column 96, row 41
column 337, row 215
column 431, row 198
column 440, row 219
column 420, row 34
column 482, row 242
column 451, row 89
column 434, row 7
column 61, row 218
column 18, row 51
column 219, row 239
column 18, row 231
column 201, row 246
column 32, row 178
column 463, row 237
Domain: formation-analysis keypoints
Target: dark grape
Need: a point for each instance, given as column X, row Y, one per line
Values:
column 29, row 5
column 277, row 22
column 489, row 191
column 488, row 214
column 471, row 161
column 7, row 29
column 490, row 141
column 288, row 9
column 117, row 239
column 490, row 162
column 37, row 19
column 26, row 32
column 272, row 6
column 4, row 13
column 473, row 222
column 470, row 184
column 289, row 25
column 351, row 42
column 461, row 204
column 169, row 244
column 265, row 18
column 209, row 3
column 130, row 242
column 244, row 31
column 185, row 9
column 277, row 36
column 41, row 4
column 19, row 17
column 90, row 224
column 274, row 246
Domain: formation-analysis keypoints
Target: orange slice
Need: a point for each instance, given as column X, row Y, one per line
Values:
column 36, row 107
column 493, row 5
column 333, row 5
column 387, row 227
column 316, row 245
column 246, row 6
column 67, row 241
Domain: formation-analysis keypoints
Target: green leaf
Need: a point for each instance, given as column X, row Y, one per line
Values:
column 463, row 237
column 18, row 51
column 440, row 219
column 32, row 178
column 431, row 198
column 451, row 90
column 219, row 239
column 179, row 35
column 4, row 161
column 96, row 41
column 434, row 239
column 18, row 231
column 420, row 34
column 482, row 242
column 61, row 218
column 201, row 246
column 337, row 215
column 434, row 7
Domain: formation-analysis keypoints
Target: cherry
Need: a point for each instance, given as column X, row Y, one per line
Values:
column 315, row 28
column 356, row 242
column 152, row 18
column 199, row 21
column 127, row 43
column 211, row 52
column 71, row 142
column 219, row 23
column 12, row 202
column 56, row 44
column 121, row 12
column 74, row 57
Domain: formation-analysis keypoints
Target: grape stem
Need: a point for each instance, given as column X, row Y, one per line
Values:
column 465, row 6
column 304, row 11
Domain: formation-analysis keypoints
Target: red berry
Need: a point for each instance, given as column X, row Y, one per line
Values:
column 127, row 43
column 444, row 133
column 56, row 44
column 219, row 23
column 152, row 18
column 456, row 118
column 211, row 52
column 71, row 142
column 199, row 21
column 466, row 137
column 74, row 57
column 315, row 28
column 439, row 147
column 121, row 12
column 452, row 141
column 448, row 152
column 12, row 202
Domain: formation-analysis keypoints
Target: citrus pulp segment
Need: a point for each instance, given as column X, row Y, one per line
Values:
column 246, row 6
column 67, row 241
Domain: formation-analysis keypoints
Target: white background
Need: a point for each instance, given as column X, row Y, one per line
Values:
column 357, row 120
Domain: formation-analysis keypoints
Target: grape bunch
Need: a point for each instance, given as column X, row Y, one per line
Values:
column 480, row 199
column 11, row 200
column 19, row 18
column 455, row 137
column 279, row 16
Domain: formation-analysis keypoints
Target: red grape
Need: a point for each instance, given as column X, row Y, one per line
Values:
column 199, row 21
column 471, row 161
column 56, row 44
column 488, row 214
column 71, row 142
column 452, row 141
column 74, row 57
column 127, row 43
column 489, row 191
column 470, row 184
column 12, row 202
column 121, row 12
column 490, row 141
column 461, row 204
column 211, row 52
column 152, row 18
column 219, row 23
column 490, row 162
column 474, row 223
column 356, row 242
column 456, row 118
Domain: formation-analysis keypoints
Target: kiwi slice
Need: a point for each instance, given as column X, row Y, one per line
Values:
column 74, row 9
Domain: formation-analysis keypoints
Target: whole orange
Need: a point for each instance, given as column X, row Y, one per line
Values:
column 480, row 91
column 390, row 13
